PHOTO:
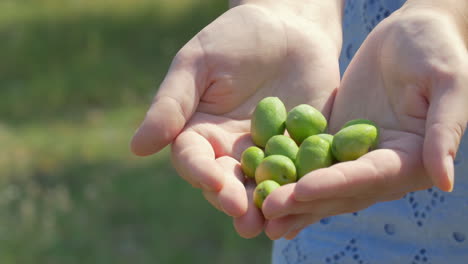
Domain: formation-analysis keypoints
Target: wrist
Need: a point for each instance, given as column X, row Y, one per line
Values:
column 306, row 15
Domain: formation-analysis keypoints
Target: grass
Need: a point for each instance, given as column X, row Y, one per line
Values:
column 75, row 80
column 89, row 56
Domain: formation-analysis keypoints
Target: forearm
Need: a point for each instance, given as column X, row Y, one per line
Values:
column 457, row 10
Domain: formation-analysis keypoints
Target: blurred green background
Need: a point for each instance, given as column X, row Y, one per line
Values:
column 76, row 77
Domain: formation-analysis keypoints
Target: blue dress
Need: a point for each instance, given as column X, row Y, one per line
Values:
column 427, row 226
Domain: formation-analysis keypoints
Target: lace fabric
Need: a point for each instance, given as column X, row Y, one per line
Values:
column 427, row 226
column 360, row 17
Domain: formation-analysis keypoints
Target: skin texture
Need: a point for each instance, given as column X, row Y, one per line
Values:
column 304, row 121
column 278, row 168
column 250, row 160
column 205, row 103
column 268, row 120
column 410, row 76
column 352, row 142
column 282, row 145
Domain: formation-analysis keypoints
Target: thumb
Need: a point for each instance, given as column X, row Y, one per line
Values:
column 173, row 105
column 445, row 126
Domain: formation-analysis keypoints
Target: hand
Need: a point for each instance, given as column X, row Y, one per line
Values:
column 410, row 77
column 205, row 102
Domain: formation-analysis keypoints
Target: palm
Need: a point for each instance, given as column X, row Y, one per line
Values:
column 257, row 57
column 391, row 81
column 218, row 78
column 378, row 86
column 406, row 86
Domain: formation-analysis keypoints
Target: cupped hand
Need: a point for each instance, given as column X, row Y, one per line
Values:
column 204, row 105
column 410, row 77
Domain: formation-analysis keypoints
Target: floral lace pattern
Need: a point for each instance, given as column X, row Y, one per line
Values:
column 427, row 226
column 360, row 17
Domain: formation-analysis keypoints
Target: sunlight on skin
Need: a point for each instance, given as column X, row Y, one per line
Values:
column 412, row 81
column 205, row 103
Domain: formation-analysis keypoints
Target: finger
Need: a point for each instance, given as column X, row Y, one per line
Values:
column 212, row 198
column 279, row 202
column 251, row 223
column 445, row 126
column 233, row 196
column 278, row 228
column 282, row 203
column 292, row 234
column 278, row 207
column 378, row 173
column 345, row 179
column 174, row 103
column 194, row 159
column 329, row 207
